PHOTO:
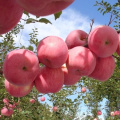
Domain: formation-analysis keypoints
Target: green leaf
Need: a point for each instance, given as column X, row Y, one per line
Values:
column 57, row 15
column 30, row 48
column 30, row 20
column 44, row 20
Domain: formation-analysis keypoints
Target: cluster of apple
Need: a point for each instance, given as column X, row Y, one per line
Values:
column 11, row 11
column 7, row 110
column 62, row 64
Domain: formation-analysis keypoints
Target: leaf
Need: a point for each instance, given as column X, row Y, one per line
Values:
column 44, row 20
column 57, row 15
column 30, row 48
column 30, row 20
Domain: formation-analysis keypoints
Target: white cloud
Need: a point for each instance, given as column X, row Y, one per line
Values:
column 68, row 21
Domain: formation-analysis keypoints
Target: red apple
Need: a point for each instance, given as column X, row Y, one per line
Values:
column 20, row 67
column 18, row 91
column 117, row 112
column 104, row 68
column 70, row 78
column 6, row 101
column 42, row 98
column 49, row 80
column 81, row 61
column 55, row 108
column 83, row 89
column 6, row 112
column 76, row 38
column 103, row 41
column 112, row 113
column 99, row 112
column 44, row 7
column 118, row 48
column 12, row 106
column 10, row 14
column 32, row 100
column 52, row 51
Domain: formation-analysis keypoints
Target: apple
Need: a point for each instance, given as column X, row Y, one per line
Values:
column 95, row 119
column 112, row 113
column 70, row 78
column 117, row 112
column 104, row 68
column 6, row 112
column 32, row 100
column 99, row 112
column 55, row 108
column 18, row 91
column 103, row 41
column 49, row 80
column 20, row 67
column 118, row 48
column 44, row 7
column 6, row 101
column 76, row 38
column 12, row 106
column 52, row 51
column 81, row 61
column 42, row 98
column 83, row 89
column 10, row 15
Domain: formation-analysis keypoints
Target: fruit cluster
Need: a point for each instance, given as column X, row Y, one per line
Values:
column 11, row 10
column 64, row 62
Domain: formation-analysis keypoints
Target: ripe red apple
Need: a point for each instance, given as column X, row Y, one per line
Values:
column 81, row 61
column 55, row 108
column 44, row 7
column 10, row 14
column 103, row 41
column 6, row 101
column 18, row 91
column 83, row 89
column 52, row 51
column 112, row 113
column 20, row 67
column 69, row 77
column 118, row 48
column 117, row 112
column 32, row 100
column 6, row 112
column 42, row 98
column 99, row 112
column 104, row 68
column 49, row 80
column 76, row 38
column 12, row 106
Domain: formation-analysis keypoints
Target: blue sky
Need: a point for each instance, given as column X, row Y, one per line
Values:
column 77, row 16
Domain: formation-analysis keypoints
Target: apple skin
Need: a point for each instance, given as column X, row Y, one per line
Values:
column 112, row 113
column 18, row 91
column 70, row 78
column 117, row 112
column 52, row 51
column 76, row 38
column 104, row 68
column 10, row 15
column 20, row 67
column 99, row 112
column 6, row 101
column 44, row 7
column 42, row 98
column 81, row 61
column 118, row 48
column 103, row 41
column 83, row 89
column 6, row 112
column 49, row 80
column 55, row 108
column 32, row 100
